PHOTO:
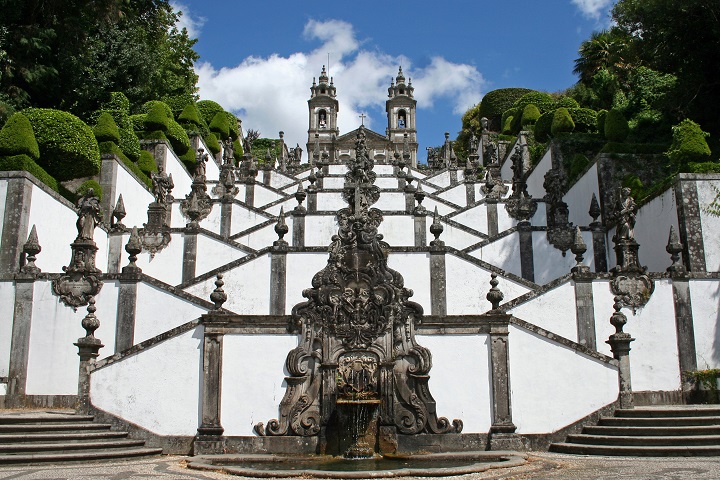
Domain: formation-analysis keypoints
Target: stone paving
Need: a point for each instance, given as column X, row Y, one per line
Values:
column 540, row 467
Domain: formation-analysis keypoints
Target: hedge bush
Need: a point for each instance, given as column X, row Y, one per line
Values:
column 152, row 104
column 178, row 103
column 496, row 102
column 233, row 125
column 106, row 130
column 585, row 119
column 178, row 138
column 616, row 126
column 68, row 148
column 562, row 122
column 543, row 126
column 157, row 118
column 119, row 107
column 138, row 122
column 17, row 138
column 220, row 125
column 212, row 143
column 147, row 164
column 688, row 144
column 600, row 121
column 25, row 163
column 190, row 119
column 566, row 102
column 208, row 109
column 530, row 115
column 507, row 125
column 238, row 150
column 704, row 167
column 87, row 185
column 543, row 101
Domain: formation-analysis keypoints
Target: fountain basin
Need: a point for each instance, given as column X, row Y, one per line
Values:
column 388, row 466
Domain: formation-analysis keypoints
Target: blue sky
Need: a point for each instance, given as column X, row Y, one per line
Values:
column 257, row 59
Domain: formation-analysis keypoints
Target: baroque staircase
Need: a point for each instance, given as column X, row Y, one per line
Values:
column 39, row 436
column 673, row 431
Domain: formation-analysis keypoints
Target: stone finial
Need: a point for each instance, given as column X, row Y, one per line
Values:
column 618, row 319
column 300, row 196
column 312, row 178
column 408, row 183
column 90, row 323
column 674, row 248
column 218, row 296
column 578, row 248
column 436, row 229
column 89, row 346
column 118, row 214
column 31, row 249
column 419, row 197
column 494, row 296
column 594, row 209
column 281, row 229
column 133, row 248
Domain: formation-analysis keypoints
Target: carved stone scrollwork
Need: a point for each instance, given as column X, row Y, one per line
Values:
column 520, row 205
column 81, row 279
column 357, row 330
column 197, row 204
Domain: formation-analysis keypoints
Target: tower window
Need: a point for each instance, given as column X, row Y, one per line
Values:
column 322, row 119
column 402, row 91
column 322, row 91
column 402, row 119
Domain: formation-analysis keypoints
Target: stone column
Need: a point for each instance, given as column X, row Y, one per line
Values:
column 527, row 260
column 469, row 192
column 453, row 176
column 250, row 193
column 691, row 234
column 209, row 439
column 189, row 253
column 420, row 228
column 620, row 345
column 492, row 216
column 599, row 247
column 126, row 308
column 115, row 238
column 312, row 199
column 108, row 177
column 298, row 234
column 278, row 273
column 20, row 343
column 225, row 217
column 585, row 307
column 15, row 226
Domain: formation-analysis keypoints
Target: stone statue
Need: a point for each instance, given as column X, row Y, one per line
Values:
column 627, row 208
column 298, row 153
column 492, row 156
column 89, row 215
column 474, row 144
column 162, row 184
column 200, row 170
column 484, row 124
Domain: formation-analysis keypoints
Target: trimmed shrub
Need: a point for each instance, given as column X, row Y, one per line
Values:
column 600, row 121
column 87, row 185
column 220, row 125
column 543, row 126
column 237, row 150
column 138, row 122
column 157, row 118
column 566, row 102
column 178, row 138
column 689, row 144
column 190, row 119
column 234, row 128
column 17, row 138
column 146, row 163
column 562, row 122
column 496, row 102
column 507, row 126
column 208, row 109
column 578, row 163
column 177, row 103
column 106, row 130
column 68, row 148
column 530, row 115
column 149, row 106
column 118, row 102
column 704, row 167
column 616, row 126
column 119, row 107
column 543, row 101
column 24, row 162
column 212, row 143
column 585, row 119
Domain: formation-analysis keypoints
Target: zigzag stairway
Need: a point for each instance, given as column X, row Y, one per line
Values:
column 650, row 432
column 41, row 436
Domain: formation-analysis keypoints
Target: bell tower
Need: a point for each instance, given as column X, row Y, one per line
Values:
column 323, row 109
column 401, row 108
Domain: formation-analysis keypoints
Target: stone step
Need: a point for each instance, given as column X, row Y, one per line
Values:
column 54, row 447
column 43, row 418
column 637, row 451
column 668, row 412
column 653, row 431
column 659, row 421
column 53, row 427
column 637, row 440
column 110, row 453
column 61, row 437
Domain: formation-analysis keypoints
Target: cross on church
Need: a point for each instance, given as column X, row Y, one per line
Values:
column 362, row 119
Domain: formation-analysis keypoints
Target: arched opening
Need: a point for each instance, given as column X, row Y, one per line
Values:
column 402, row 119
column 322, row 118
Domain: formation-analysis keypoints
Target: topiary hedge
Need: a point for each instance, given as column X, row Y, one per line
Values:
column 543, row 126
column 600, row 121
column 138, row 122
column 119, row 107
column 146, row 163
column 25, row 163
column 152, row 104
column 508, row 125
column 208, row 109
column 689, row 144
column 562, row 122
column 67, row 145
column 156, row 119
column 178, row 103
column 87, row 185
column 530, row 115
column 190, row 120
column 496, row 102
column 566, row 102
column 212, row 143
column 234, row 128
column 585, row 119
column 106, row 130
column 17, row 138
column 543, row 101
column 178, row 138
column 616, row 126
column 220, row 125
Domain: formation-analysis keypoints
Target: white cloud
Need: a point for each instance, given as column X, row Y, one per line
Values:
column 270, row 94
column 593, row 8
column 187, row 20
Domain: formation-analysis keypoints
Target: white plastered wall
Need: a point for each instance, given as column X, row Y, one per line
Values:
column 243, row 218
column 549, row 262
column 579, row 196
column 398, row 230
column 252, row 394
column 705, row 295
column 319, row 230
column 300, row 270
column 473, row 402
column 652, row 227
column 330, row 201
column 537, row 177
column 135, row 197
column 456, row 195
column 212, row 254
column 56, row 230
column 278, row 180
column 475, row 218
column 468, row 284
column 166, row 265
column 265, row 236
column 287, row 205
column 503, row 253
column 554, row 311
column 553, row 385
column 707, row 191
column 415, row 269
column 263, row 195
column 3, row 197
column 157, row 389
column 441, row 180
column 430, row 204
column 181, row 179
column 7, row 307
column 452, row 236
column 393, row 201
column 158, row 311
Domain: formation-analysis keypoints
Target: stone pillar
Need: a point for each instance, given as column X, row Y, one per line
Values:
column 684, row 326
column 189, row 254
column 492, row 216
column 250, row 194
column 115, row 244
column 527, row 261
column 409, row 200
column 225, row 218
column 691, row 234
column 620, row 345
column 585, row 309
column 88, row 348
column 209, row 438
column 158, row 148
column 469, row 192
column 453, row 176
column 15, row 226
column 599, row 247
column 266, row 176
column 312, row 199
column 108, row 177
column 20, row 343
column 438, row 282
column 278, row 273
column 298, row 234
column 420, row 229
column 126, row 308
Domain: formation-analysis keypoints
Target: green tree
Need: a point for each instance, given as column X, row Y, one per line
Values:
column 608, row 50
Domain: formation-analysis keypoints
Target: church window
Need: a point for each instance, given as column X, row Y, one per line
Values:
column 322, row 119
column 402, row 119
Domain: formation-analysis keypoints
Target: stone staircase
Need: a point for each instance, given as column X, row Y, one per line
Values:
column 674, row 431
column 39, row 436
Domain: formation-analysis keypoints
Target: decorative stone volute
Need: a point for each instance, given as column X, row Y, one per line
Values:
column 197, row 205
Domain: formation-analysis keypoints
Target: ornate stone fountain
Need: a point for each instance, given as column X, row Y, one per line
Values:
column 358, row 379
